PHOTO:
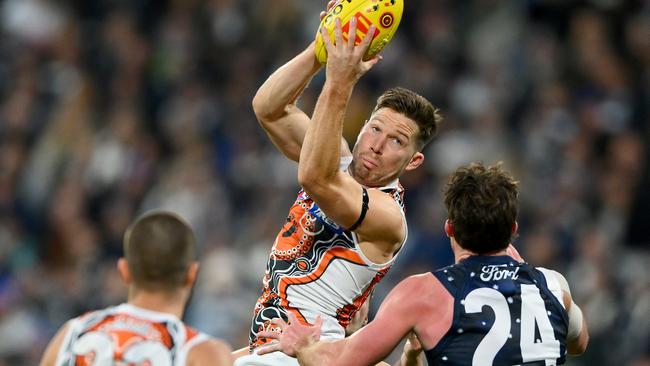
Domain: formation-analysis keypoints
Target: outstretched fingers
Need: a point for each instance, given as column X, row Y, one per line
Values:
column 327, row 41
column 367, row 40
column 352, row 32
column 338, row 33
column 319, row 322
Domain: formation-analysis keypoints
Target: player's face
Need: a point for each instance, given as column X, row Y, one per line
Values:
column 385, row 148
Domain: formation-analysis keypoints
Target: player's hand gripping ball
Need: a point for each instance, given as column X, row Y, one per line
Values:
column 384, row 14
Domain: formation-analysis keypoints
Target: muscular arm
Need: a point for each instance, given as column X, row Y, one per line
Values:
column 211, row 352
column 399, row 314
column 336, row 192
column 52, row 350
column 275, row 104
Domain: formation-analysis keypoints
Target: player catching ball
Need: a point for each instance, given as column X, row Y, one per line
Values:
column 347, row 224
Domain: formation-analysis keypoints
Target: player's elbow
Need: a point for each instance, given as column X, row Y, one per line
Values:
column 308, row 179
column 263, row 109
column 578, row 346
column 315, row 183
column 260, row 107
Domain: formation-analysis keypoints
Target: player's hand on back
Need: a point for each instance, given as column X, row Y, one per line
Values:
column 411, row 355
column 345, row 64
column 412, row 347
column 294, row 337
column 514, row 253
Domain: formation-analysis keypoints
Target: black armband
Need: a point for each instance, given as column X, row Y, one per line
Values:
column 364, row 209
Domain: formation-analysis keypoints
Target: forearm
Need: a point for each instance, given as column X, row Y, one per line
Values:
column 320, row 155
column 285, row 85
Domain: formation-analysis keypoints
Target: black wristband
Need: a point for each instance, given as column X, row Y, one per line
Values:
column 364, row 209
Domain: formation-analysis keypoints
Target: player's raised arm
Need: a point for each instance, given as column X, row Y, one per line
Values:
column 275, row 107
column 336, row 192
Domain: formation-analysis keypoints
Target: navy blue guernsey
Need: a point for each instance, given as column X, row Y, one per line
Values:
column 504, row 314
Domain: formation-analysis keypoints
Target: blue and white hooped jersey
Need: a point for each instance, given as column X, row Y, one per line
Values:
column 505, row 313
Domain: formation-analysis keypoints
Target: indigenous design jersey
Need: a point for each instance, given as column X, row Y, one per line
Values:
column 505, row 313
column 127, row 335
column 316, row 267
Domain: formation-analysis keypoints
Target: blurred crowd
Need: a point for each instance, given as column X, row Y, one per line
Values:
column 110, row 108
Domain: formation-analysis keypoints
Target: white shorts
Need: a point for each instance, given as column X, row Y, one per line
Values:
column 271, row 359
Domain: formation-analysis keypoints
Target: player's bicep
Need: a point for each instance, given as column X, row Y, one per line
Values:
column 376, row 217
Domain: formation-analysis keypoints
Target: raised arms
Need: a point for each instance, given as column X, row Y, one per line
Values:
column 337, row 193
column 275, row 107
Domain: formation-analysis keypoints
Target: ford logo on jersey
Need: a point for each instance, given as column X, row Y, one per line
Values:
column 498, row 272
column 320, row 215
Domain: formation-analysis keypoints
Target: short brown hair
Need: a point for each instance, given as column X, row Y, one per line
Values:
column 159, row 248
column 415, row 107
column 482, row 207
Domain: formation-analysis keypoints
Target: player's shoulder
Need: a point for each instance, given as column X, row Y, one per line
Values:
column 551, row 276
column 210, row 351
column 421, row 294
column 450, row 272
column 446, row 269
column 422, row 284
column 52, row 350
column 416, row 281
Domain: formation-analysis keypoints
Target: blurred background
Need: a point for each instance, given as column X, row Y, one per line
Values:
column 110, row 108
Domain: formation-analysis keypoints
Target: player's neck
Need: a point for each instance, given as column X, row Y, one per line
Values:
column 462, row 253
column 163, row 302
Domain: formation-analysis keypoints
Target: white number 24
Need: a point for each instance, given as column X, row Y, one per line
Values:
column 532, row 312
column 102, row 347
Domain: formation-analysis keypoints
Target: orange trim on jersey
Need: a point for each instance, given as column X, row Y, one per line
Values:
column 190, row 333
column 330, row 255
column 123, row 338
column 345, row 314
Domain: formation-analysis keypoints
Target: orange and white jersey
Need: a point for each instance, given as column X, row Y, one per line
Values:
column 316, row 267
column 127, row 335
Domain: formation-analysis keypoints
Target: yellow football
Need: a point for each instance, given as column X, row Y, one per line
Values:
column 384, row 14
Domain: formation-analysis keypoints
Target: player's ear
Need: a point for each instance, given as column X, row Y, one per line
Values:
column 416, row 160
column 123, row 269
column 192, row 273
column 449, row 229
column 515, row 227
